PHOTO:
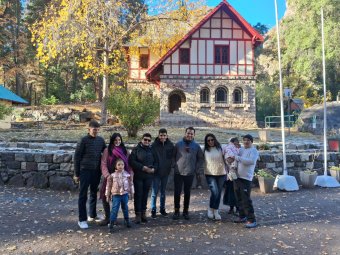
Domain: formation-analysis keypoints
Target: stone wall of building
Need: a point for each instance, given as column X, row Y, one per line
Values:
column 228, row 114
column 53, row 168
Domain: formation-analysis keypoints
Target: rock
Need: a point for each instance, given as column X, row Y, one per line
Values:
column 17, row 180
column 39, row 158
column 38, row 180
column 1, row 182
column 20, row 156
column 8, row 156
column 61, row 183
column 31, row 166
column 42, row 166
column 13, row 164
column 85, row 116
column 66, row 167
column 53, row 166
column 4, row 176
column 28, row 175
column 62, row 158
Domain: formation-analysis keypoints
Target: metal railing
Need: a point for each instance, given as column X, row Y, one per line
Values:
column 275, row 121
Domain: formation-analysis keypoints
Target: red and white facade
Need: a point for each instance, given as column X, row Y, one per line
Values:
column 208, row 76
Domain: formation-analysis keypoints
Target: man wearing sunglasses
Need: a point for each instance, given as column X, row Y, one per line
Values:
column 144, row 164
column 188, row 161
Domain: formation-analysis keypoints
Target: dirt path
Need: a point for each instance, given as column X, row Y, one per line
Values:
column 44, row 222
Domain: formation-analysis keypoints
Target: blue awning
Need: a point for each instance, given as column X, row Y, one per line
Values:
column 8, row 95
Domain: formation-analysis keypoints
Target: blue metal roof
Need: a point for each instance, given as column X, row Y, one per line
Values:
column 8, row 95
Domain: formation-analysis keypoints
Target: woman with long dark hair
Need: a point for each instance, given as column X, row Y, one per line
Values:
column 116, row 150
column 215, row 173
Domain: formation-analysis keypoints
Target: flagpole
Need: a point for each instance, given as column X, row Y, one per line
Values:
column 324, row 97
column 281, row 94
column 325, row 180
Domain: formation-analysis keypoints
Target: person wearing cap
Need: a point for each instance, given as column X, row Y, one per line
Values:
column 87, row 172
column 246, row 161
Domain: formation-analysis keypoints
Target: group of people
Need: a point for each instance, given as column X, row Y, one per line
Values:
column 149, row 166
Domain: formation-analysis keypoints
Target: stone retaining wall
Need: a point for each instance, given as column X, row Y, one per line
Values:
column 54, row 169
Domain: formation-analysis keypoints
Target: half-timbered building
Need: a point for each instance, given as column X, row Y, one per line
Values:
column 208, row 77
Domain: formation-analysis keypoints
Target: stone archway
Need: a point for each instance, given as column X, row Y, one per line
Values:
column 176, row 98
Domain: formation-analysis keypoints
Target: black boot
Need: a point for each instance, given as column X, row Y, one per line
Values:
column 111, row 226
column 106, row 207
column 186, row 214
column 144, row 219
column 153, row 214
column 127, row 223
column 138, row 218
column 164, row 213
column 176, row 214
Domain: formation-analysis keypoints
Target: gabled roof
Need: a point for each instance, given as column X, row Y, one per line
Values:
column 8, row 95
column 257, row 38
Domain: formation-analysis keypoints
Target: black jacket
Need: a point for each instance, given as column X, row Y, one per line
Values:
column 142, row 156
column 88, row 154
column 164, row 152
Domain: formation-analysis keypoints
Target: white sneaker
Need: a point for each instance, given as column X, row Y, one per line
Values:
column 83, row 224
column 210, row 213
column 96, row 219
column 217, row 215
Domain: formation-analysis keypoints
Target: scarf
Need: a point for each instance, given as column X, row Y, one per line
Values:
column 117, row 152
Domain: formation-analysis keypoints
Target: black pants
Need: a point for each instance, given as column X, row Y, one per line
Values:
column 142, row 187
column 242, row 190
column 88, row 178
column 179, row 180
column 106, row 207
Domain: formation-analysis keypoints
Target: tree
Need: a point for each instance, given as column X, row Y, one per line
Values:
column 133, row 108
column 261, row 28
column 93, row 32
column 4, row 111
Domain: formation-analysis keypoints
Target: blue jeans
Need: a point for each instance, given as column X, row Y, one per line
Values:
column 116, row 201
column 215, row 183
column 158, row 182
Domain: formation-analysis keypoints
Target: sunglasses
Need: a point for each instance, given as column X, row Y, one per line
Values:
column 211, row 140
column 146, row 140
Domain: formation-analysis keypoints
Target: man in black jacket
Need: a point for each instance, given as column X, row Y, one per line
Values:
column 87, row 171
column 163, row 148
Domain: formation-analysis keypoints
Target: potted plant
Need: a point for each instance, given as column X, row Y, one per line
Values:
column 335, row 172
column 308, row 178
column 266, row 180
column 334, row 140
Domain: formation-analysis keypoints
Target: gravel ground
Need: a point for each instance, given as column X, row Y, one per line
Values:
column 44, row 222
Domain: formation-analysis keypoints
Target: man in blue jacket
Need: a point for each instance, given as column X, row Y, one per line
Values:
column 87, row 171
column 188, row 161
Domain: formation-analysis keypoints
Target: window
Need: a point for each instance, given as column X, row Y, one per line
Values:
column 237, row 96
column 204, row 96
column 221, row 95
column 221, row 54
column 184, row 56
column 144, row 61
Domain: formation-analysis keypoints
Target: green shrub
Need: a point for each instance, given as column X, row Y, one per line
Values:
column 263, row 147
column 335, row 168
column 52, row 100
column 85, row 94
column 4, row 111
column 133, row 108
column 264, row 173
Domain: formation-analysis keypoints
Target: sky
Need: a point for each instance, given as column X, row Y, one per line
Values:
column 254, row 11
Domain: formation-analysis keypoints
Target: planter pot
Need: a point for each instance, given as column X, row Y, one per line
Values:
column 308, row 179
column 334, row 144
column 266, row 184
column 335, row 174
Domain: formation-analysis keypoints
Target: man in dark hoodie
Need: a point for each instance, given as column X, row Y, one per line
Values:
column 188, row 161
column 87, row 172
column 144, row 164
column 163, row 148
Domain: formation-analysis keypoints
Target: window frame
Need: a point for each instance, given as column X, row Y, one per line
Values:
column 180, row 54
column 226, row 95
column 140, row 60
column 220, row 47
column 241, row 96
column 207, row 96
